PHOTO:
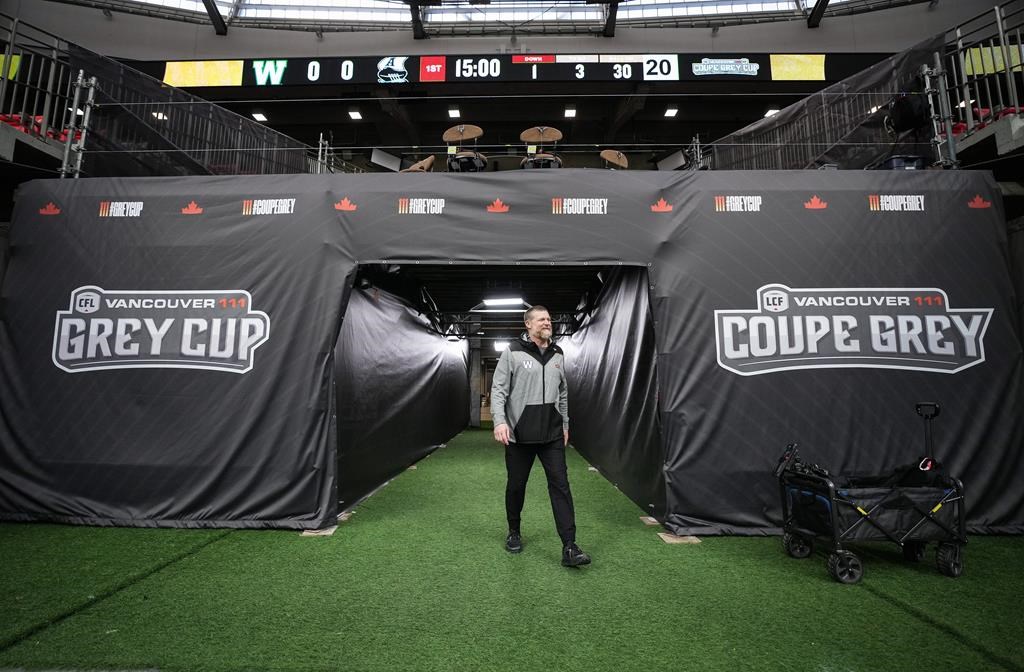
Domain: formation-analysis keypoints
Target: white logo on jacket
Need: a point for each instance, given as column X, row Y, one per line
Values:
column 528, row 364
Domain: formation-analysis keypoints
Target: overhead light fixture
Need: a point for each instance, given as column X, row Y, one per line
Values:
column 355, row 115
column 771, row 113
column 671, row 111
column 963, row 104
column 160, row 116
column 874, row 109
column 259, row 116
column 80, row 113
column 503, row 302
column 453, row 112
column 500, row 346
column 570, row 111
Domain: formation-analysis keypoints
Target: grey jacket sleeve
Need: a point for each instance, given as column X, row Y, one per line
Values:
column 500, row 388
column 563, row 401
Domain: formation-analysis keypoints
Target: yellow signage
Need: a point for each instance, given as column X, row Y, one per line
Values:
column 989, row 60
column 798, row 67
column 203, row 73
column 11, row 71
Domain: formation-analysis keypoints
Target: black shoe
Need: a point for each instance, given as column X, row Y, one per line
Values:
column 513, row 543
column 573, row 556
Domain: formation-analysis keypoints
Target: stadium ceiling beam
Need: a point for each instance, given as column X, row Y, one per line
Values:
column 417, row 21
column 609, row 23
column 216, row 19
column 814, row 19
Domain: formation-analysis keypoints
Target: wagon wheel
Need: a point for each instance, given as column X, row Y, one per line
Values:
column 845, row 567
column 913, row 551
column 949, row 558
column 797, row 546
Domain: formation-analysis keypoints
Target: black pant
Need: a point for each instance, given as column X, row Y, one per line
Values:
column 518, row 462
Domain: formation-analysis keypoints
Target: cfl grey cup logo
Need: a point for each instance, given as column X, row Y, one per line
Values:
column 104, row 329
column 391, row 70
column 900, row 328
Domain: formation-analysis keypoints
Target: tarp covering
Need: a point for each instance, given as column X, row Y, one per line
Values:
column 402, row 391
column 1015, row 234
column 812, row 306
column 610, row 366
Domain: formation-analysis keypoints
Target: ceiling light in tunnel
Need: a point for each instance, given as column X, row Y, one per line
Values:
column 259, row 116
column 771, row 113
column 570, row 111
column 503, row 302
column 453, row 112
column 355, row 115
column 671, row 111
column 500, row 346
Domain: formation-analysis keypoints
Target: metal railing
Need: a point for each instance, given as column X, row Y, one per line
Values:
column 843, row 125
column 970, row 76
column 36, row 81
column 983, row 60
column 137, row 125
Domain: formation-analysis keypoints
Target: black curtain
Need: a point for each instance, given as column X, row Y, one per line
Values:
column 613, row 393
column 402, row 391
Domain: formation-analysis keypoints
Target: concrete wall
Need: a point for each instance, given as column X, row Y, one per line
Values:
column 143, row 38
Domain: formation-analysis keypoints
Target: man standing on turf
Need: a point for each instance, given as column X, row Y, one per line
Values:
column 530, row 407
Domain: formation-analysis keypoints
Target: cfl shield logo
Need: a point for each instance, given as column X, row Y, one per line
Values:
column 830, row 328
column 775, row 301
column 104, row 329
column 391, row 70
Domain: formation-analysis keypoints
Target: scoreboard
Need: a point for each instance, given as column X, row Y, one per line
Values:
column 401, row 70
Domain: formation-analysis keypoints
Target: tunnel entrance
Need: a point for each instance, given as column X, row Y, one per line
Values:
column 431, row 334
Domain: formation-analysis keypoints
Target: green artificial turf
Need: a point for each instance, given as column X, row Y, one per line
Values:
column 418, row 580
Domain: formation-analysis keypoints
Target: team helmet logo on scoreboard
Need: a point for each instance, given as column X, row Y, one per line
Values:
column 909, row 328
column 104, row 329
column 391, row 70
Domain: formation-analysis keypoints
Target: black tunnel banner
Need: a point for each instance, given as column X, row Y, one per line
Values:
column 168, row 346
column 402, row 391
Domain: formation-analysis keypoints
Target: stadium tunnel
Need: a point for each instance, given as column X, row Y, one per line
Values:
column 419, row 344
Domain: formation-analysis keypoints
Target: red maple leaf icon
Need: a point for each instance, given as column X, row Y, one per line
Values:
column 979, row 203
column 815, row 203
column 192, row 209
column 661, row 206
column 49, row 209
column 497, row 206
column 346, row 205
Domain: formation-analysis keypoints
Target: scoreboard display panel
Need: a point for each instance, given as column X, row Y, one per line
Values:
column 399, row 70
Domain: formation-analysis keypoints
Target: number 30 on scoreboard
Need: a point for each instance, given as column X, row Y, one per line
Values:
column 661, row 67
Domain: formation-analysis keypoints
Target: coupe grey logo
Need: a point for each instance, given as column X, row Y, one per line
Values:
column 391, row 70
column 158, row 329
column 831, row 328
column 725, row 66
